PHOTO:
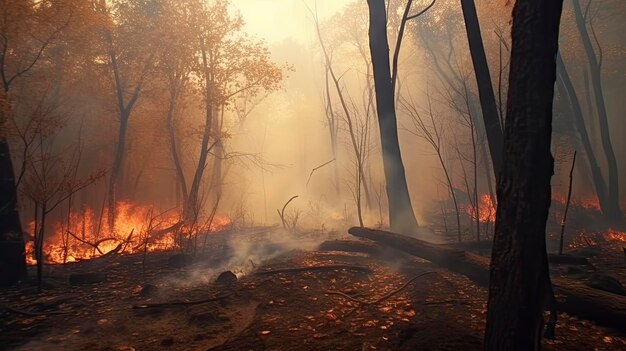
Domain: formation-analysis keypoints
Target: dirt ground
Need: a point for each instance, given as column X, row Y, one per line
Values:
column 150, row 305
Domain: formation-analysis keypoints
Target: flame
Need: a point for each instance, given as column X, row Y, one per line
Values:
column 615, row 235
column 151, row 230
column 486, row 210
column 589, row 203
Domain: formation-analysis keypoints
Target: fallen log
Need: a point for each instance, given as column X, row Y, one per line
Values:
column 177, row 303
column 473, row 266
column 361, row 246
column 573, row 297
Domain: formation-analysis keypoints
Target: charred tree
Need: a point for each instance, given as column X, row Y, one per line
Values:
column 12, row 256
column 519, row 280
column 485, row 88
column 611, row 210
column 401, row 216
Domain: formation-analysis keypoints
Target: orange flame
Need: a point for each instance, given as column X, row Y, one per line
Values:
column 486, row 210
column 87, row 237
column 615, row 235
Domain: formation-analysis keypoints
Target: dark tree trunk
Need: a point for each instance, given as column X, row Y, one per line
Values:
column 401, row 216
column 485, row 88
column 12, row 256
column 519, row 281
column 116, row 170
column 181, row 186
column 612, row 210
column 564, row 84
column 192, row 206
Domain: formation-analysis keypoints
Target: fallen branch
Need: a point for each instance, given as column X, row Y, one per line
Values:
column 177, row 303
column 362, row 269
column 281, row 213
column 381, row 299
column 316, row 168
column 94, row 245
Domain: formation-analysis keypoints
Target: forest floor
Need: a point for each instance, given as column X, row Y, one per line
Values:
column 146, row 304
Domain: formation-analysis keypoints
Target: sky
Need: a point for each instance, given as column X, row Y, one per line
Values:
column 277, row 20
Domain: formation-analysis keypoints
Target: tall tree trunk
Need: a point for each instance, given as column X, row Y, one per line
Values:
column 485, row 87
column 116, row 170
column 564, row 84
column 12, row 255
column 401, row 216
column 192, row 206
column 180, row 174
column 519, row 279
column 613, row 211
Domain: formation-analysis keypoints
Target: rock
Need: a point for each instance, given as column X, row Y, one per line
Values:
column 606, row 283
column 226, row 277
column 149, row 290
column 179, row 260
column 87, row 278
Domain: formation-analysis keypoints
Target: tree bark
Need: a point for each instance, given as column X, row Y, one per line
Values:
column 401, row 216
column 519, row 281
column 575, row 298
column 613, row 211
column 485, row 88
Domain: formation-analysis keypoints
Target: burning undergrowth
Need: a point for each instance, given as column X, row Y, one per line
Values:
column 84, row 235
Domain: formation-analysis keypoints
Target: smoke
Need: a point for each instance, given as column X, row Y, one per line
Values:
column 243, row 254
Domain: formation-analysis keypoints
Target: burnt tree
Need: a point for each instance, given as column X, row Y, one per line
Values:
column 12, row 259
column 401, row 216
column 483, row 80
column 519, row 279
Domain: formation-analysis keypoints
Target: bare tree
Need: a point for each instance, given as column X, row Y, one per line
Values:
column 430, row 129
column 595, row 58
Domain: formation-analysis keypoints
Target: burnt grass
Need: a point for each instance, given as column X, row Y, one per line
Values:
column 145, row 303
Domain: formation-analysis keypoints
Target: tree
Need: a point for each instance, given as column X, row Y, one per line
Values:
column 611, row 208
column 485, row 87
column 401, row 216
column 519, row 280
column 128, row 32
column 18, row 57
column 229, row 64
column 566, row 87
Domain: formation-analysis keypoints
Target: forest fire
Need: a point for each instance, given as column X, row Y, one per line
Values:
column 486, row 210
column 588, row 203
column 84, row 235
column 615, row 235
